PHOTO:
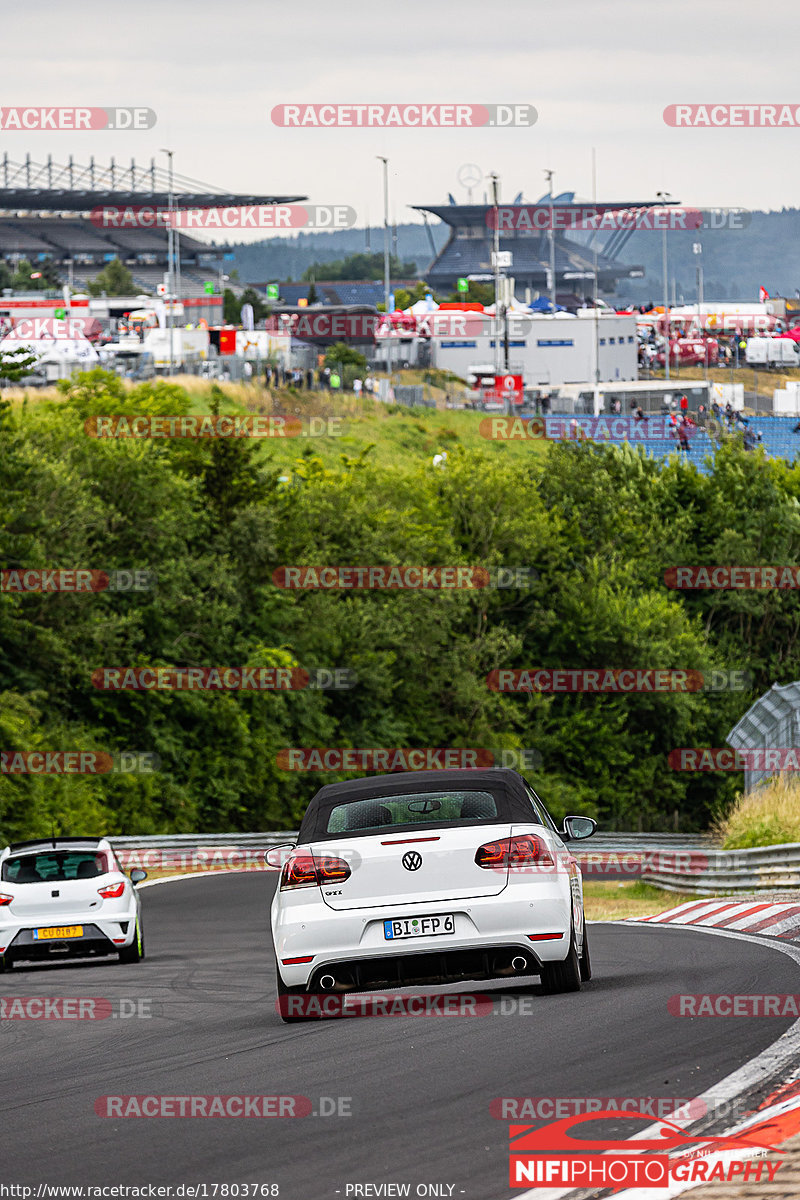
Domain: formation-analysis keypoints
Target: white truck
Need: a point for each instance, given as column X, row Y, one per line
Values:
column 778, row 352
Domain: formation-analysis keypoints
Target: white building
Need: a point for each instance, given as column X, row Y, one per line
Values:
column 551, row 350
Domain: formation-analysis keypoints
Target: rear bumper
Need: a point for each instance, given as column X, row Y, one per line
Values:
column 98, row 938
column 351, row 946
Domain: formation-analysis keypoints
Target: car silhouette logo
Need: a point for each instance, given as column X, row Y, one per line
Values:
column 412, row 860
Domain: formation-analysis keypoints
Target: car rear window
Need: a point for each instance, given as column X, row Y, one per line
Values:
column 415, row 808
column 56, row 866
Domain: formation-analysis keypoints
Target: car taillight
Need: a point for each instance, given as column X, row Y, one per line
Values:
column 514, row 852
column 305, row 871
column 332, row 870
column 111, row 891
column 5, row 900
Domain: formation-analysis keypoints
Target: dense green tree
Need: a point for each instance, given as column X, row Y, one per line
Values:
column 360, row 266
column 213, row 520
column 114, row 280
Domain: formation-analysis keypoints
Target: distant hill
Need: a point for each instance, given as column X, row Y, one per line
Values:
column 288, row 258
column 736, row 262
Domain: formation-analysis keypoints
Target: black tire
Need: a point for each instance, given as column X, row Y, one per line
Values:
column 584, row 960
column 5, row 963
column 283, row 991
column 563, row 976
column 135, row 952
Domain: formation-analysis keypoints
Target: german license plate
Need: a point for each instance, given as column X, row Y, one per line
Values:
column 58, row 931
column 409, row 927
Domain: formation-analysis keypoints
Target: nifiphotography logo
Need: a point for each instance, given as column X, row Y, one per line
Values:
column 551, row 1157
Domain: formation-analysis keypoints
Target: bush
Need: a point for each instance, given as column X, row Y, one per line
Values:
column 769, row 816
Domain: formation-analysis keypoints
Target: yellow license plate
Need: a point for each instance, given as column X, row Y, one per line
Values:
column 58, row 931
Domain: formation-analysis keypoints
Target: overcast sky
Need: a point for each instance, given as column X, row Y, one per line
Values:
column 599, row 72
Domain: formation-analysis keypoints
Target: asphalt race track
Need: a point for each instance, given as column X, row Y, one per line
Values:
column 420, row 1088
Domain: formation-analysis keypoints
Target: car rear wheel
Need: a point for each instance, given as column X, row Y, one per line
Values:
column 135, row 952
column 291, row 1013
column 5, row 963
column 585, row 961
column 562, row 976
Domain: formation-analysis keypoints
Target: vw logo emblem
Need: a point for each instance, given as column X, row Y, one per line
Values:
column 412, row 860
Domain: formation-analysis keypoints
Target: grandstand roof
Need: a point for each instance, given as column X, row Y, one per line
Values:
column 468, row 251
column 71, row 187
column 464, row 214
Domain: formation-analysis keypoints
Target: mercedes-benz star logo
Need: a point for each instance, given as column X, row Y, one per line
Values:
column 469, row 175
column 412, row 860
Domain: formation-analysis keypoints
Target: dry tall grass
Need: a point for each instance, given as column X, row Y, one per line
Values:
column 769, row 816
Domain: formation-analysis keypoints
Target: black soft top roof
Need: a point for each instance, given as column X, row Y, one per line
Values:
column 506, row 786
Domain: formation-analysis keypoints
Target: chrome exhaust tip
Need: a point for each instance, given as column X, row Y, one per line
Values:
column 326, row 982
column 519, row 964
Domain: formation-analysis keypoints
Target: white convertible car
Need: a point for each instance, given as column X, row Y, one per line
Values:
column 67, row 897
column 428, row 878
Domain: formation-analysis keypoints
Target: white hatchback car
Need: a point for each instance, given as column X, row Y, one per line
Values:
column 428, row 878
column 67, row 897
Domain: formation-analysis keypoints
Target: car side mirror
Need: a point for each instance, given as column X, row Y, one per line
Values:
column 137, row 875
column 577, row 828
column 278, row 855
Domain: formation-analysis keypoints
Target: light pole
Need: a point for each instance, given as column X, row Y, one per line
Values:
column 386, row 279
column 552, row 239
column 496, row 271
column 697, row 248
column 664, row 196
column 170, row 264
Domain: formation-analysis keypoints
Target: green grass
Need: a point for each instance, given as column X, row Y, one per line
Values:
column 610, row 900
column 391, row 436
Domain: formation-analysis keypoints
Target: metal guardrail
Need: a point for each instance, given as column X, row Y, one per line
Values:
column 762, row 869
column 199, row 851
column 688, row 863
column 166, row 841
column 630, row 853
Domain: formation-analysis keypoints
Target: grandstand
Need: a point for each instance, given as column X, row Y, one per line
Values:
column 45, row 217
column 468, row 251
column 778, row 441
